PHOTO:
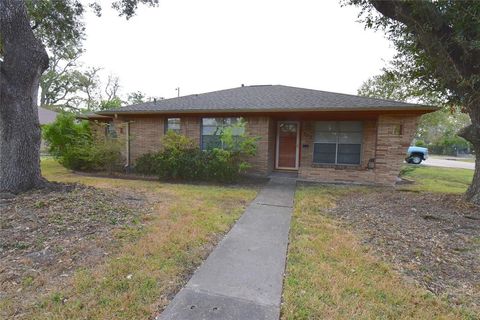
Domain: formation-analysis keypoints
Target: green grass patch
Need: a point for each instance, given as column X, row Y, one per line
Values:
column 331, row 275
column 437, row 179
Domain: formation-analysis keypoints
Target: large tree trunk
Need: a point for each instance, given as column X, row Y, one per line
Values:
column 472, row 134
column 24, row 61
column 473, row 192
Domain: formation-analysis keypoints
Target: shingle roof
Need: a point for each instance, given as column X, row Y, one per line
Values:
column 266, row 98
column 46, row 116
column 92, row 115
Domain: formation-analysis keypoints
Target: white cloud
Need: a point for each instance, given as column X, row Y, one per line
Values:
column 209, row 45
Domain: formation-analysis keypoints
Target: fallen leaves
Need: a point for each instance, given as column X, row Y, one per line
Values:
column 432, row 238
column 47, row 234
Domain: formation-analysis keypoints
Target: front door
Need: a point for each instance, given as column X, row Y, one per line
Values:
column 287, row 145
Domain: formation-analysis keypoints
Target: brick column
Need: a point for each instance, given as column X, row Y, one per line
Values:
column 191, row 127
column 261, row 127
column 394, row 135
column 145, row 136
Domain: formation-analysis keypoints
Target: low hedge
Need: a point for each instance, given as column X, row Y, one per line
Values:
column 181, row 159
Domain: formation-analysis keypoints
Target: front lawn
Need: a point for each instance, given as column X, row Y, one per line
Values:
column 375, row 253
column 128, row 270
column 437, row 179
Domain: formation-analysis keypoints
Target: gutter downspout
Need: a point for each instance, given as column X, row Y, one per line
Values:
column 127, row 165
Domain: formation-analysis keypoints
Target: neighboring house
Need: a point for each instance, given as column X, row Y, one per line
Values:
column 45, row 116
column 324, row 136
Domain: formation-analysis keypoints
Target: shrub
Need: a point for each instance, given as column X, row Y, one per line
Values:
column 182, row 159
column 101, row 156
column 65, row 133
column 147, row 164
column 72, row 145
column 420, row 143
column 450, row 145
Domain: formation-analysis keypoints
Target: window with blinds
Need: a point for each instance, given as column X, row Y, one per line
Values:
column 338, row 142
column 173, row 124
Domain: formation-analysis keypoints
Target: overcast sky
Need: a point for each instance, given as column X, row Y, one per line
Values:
column 209, row 45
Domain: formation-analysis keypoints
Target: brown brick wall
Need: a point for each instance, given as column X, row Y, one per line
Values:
column 272, row 134
column 261, row 127
column 392, row 148
column 379, row 143
column 145, row 135
column 368, row 143
column 332, row 173
column 120, row 127
column 191, row 127
column 97, row 128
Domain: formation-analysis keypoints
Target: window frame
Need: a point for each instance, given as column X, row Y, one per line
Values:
column 179, row 130
column 337, row 132
column 111, row 130
column 397, row 129
column 238, row 119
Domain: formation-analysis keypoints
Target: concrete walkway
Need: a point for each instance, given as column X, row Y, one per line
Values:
column 242, row 278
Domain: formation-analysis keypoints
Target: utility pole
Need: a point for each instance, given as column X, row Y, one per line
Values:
column 178, row 91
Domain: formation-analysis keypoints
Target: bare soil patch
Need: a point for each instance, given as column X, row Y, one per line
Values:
column 45, row 235
column 433, row 239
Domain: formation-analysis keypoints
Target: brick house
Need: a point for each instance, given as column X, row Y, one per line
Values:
column 322, row 136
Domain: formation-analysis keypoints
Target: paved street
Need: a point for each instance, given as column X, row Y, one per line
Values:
column 445, row 162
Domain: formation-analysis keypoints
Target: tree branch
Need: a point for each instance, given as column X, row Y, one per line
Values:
column 434, row 35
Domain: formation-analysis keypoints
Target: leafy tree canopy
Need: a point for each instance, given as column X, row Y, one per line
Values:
column 136, row 97
column 58, row 23
column 113, row 103
column 29, row 30
column 438, row 44
column 434, row 128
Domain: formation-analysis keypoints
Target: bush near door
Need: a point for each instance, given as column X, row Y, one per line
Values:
column 182, row 159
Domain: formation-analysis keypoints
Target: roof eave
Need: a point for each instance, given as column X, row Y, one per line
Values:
column 93, row 117
column 418, row 108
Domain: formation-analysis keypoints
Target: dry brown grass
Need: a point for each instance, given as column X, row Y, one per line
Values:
column 330, row 275
column 150, row 265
